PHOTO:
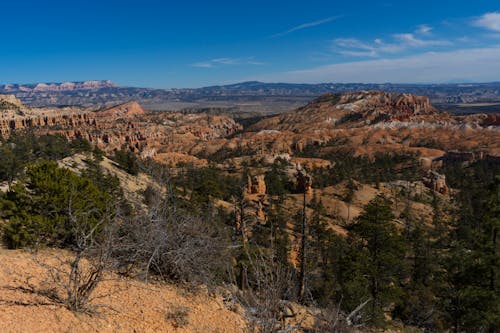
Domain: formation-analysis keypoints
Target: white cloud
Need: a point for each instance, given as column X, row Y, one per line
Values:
column 304, row 26
column 353, row 43
column 226, row 61
column 423, row 29
column 412, row 41
column 355, row 47
column 359, row 53
column 490, row 21
column 481, row 64
column 400, row 42
column 202, row 65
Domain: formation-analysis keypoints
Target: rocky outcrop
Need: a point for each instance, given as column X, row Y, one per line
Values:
column 130, row 109
column 436, row 182
column 8, row 102
column 303, row 181
column 65, row 86
column 123, row 125
column 350, row 110
column 366, row 123
column 256, row 184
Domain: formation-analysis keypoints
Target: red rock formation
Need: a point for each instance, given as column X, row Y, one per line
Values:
column 127, row 124
column 436, row 182
column 256, row 184
column 363, row 123
column 349, row 110
column 304, row 181
column 71, row 86
column 127, row 110
column 9, row 99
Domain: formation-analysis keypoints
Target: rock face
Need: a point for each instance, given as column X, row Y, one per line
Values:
column 369, row 122
column 123, row 125
column 436, row 182
column 351, row 110
column 7, row 101
column 127, row 110
column 363, row 123
column 256, row 184
column 304, row 181
column 65, row 86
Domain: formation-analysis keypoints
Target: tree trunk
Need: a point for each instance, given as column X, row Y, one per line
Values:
column 303, row 245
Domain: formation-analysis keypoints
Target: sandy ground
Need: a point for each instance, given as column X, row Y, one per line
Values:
column 131, row 306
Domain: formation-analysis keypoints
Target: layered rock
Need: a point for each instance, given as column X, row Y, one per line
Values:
column 350, row 110
column 123, row 125
column 256, row 184
column 364, row 123
column 436, row 182
column 69, row 86
column 369, row 122
column 7, row 101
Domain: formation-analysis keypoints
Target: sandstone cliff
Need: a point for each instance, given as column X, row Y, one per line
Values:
column 371, row 121
column 123, row 125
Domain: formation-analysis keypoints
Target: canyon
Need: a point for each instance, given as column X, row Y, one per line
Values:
column 125, row 125
column 364, row 122
column 289, row 160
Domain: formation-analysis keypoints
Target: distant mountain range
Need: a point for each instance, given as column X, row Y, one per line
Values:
column 52, row 87
column 251, row 96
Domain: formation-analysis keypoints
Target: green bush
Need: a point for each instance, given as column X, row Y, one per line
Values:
column 45, row 208
column 127, row 160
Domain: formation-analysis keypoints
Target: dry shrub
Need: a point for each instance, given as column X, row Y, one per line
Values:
column 264, row 298
column 72, row 279
column 178, row 315
column 174, row 245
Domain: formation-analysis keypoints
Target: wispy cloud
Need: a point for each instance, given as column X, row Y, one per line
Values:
column 423, row 29
column 202, row 65
column 473, row 65
column 226, row 61
column 305, row 26
column 412, row 41
column 490, row 21
column 378, row 47
column 357, row 48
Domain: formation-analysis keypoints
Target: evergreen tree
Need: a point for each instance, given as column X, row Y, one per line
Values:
column 473, row 265
column 418, row 307
column 377, row 260
column 51, row 202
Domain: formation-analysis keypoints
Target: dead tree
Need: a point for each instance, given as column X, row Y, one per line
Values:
column 264, row 298
column 303, row 254
column 74, row 279
column 171, row 243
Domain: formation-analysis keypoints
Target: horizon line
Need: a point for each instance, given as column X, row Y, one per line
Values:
column 118, row 85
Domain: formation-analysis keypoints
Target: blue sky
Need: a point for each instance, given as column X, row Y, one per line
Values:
column 197, row 43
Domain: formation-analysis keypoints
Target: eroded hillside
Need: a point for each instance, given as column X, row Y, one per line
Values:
column 294, row 208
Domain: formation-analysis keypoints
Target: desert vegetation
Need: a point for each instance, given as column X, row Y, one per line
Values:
column 280, row 251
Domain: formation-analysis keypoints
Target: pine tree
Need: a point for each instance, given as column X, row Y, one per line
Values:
column 49, row 204
column 473, row 265
column 377, row 259
column 417, row 307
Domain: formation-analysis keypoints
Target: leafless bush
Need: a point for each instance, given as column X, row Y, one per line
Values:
column 269, row 284
column 331, row 320
column 73, row 278
column 173, row 244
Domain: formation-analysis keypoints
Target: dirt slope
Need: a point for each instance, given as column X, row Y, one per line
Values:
column 132, row 306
